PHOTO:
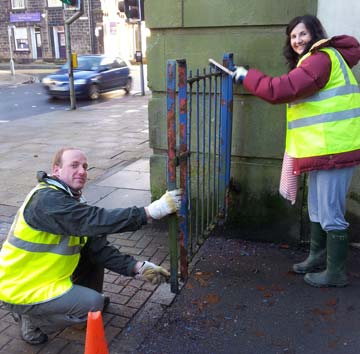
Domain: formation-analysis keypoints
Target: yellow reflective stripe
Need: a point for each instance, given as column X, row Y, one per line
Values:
column 61, row 248
column 324, row 118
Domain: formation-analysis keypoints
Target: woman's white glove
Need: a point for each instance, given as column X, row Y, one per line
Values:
column 153, row 273
column 239, row 74
column 169, row 203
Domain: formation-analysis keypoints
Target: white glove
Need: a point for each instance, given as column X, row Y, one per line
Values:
column 153, row 273
column 239, row 74
column 169, row 203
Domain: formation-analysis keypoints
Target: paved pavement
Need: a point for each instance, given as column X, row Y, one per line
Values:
column 240, row 297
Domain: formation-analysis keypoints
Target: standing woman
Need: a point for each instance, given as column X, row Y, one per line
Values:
column 322, row 137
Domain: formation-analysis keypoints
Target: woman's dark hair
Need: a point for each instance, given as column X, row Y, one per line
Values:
column 317, row 32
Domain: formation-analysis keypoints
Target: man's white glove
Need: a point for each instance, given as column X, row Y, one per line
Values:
column 239, row 74
column 169, row 203
column 153, row 273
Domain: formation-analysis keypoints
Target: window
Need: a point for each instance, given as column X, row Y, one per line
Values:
column 121, row 63
column 18, row 4
column 54, row 3
column 21, row 39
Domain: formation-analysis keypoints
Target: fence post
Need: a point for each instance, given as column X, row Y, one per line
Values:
column 228, row 96
column 171, row 168
column 183, row 155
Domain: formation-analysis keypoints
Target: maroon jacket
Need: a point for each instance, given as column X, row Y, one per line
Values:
column 303, row 81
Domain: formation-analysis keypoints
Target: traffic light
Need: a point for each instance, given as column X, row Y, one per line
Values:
column 71, row 4
column 134, row 9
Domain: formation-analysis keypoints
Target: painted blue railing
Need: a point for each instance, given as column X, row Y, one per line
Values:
column 199, row 115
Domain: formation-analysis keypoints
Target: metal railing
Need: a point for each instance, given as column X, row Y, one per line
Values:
column 199, row 109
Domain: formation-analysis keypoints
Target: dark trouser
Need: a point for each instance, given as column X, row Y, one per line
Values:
column 72, row 307
column 88, row 274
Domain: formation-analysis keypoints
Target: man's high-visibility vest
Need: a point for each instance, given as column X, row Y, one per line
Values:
column 327, row 122
column 36, row 266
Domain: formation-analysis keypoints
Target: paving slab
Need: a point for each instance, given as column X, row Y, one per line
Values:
column 129, row 180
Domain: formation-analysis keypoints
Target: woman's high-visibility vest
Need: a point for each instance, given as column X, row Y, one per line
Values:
column 327, row 122
column 36, row 266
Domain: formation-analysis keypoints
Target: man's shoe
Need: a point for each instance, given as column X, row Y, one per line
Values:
column 31, row 334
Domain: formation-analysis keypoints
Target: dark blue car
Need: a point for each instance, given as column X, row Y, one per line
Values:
column 95, row 74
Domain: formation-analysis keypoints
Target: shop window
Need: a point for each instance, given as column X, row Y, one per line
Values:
column 18, row 4
column 21, row 39
column 54, row 3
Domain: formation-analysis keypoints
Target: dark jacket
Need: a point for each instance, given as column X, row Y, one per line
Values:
column 60, row 212
column 304, row 81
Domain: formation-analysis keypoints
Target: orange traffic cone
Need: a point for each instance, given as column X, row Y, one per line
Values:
column 95, row 341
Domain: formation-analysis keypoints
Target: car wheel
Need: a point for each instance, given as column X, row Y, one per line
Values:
column 94, row 93
column 128, row 86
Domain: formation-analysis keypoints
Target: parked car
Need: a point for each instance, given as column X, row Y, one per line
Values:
column 94, row 75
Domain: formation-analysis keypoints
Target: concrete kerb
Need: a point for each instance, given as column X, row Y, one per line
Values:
column 141, row 324
column 19, row 78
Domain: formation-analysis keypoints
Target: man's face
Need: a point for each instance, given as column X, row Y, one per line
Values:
column 73, row 170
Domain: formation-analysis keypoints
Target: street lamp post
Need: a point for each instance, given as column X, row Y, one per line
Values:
column 12, row 67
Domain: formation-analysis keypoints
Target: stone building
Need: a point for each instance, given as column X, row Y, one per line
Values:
column 34, row 30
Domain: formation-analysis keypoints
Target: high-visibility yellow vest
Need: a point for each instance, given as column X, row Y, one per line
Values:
column 327, row 122
column 36, row 266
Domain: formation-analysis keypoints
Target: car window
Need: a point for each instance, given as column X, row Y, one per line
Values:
column 115, row 64
column 86, row 63
column 106, row 61
column 121, row 62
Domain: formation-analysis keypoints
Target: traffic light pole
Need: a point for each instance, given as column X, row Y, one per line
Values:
column 68, row 22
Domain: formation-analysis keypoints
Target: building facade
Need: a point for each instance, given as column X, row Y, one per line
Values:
column 34, row 30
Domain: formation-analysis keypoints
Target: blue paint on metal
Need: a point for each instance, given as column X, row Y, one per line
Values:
column 171, row 168
column 228, row 61
column 183, row 142
column 212, row 148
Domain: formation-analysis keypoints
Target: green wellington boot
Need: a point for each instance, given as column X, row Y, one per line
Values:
column 317, row 255
column 335, row 273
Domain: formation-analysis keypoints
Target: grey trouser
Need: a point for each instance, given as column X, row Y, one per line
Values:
column 327, row 197
column 72, row 307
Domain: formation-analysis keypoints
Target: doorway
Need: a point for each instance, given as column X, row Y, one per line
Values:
column 39, row 53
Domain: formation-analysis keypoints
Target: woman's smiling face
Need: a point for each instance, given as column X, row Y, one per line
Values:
column 299, row 38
